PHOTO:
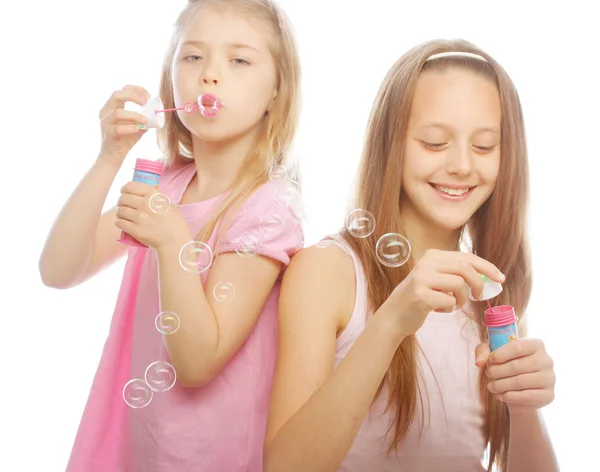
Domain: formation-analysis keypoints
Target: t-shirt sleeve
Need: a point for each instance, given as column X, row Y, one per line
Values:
column 266, row 225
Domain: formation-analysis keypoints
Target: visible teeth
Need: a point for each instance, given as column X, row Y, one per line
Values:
column 452, row 191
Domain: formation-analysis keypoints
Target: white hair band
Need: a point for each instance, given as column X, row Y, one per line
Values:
column 456, row 54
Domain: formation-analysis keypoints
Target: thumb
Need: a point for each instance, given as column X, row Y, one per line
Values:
column 482, row 353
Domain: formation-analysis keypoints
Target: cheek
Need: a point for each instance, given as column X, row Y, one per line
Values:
column 181, row 86
column 176, row 83
column 489, row 169
column 417, row 165
column 413, row 172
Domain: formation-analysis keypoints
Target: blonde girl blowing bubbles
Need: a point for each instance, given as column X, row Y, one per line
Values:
column 216, row 177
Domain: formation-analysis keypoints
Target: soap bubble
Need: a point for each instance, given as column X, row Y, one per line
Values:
column 393, row 250
column 195, row 257
column 271, row 226
column 223, row 291
column 287, row 193
column 360, row 223
column 137, row 394
column 167, row 323
column 278, row 173
column 248, row 243
column 160, row 376
column 159, row 203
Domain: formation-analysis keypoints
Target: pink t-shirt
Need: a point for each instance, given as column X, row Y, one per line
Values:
column 452, row 434
column 215, row 428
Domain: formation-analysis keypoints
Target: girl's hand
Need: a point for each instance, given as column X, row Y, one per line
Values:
column 120, row 131
column 148, row 216
column 521, row 373
column 437, row 283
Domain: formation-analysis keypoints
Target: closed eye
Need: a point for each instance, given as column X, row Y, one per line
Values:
column 484, row 148
column 433, row 146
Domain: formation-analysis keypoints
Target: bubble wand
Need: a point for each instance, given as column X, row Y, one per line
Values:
column 207, row 105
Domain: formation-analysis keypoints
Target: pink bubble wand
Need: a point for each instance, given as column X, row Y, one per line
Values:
column 208, row 105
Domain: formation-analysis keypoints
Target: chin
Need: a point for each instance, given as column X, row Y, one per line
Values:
column 209, row 132
column 448, row 222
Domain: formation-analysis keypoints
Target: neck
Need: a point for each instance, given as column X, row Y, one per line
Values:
column 424, row 235
column 218, row 163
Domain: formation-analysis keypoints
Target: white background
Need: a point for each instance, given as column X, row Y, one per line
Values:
column 61, row 60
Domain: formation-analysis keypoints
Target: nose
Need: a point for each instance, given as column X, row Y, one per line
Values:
column 459, row 161
column 209, row 79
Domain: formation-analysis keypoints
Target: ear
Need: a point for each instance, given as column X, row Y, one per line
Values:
column 271, row 103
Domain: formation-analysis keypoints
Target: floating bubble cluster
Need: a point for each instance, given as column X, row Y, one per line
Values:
column 392, row 249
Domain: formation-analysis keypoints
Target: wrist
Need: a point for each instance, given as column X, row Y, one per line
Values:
column 103, row 163
column 520, row 412
column 388, row 327
column 172, row 247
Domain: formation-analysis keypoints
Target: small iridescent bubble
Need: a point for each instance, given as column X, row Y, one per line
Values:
column 223, row 291
column 160, row 376
column 189, row 107
column 360, row 223
column 137, row 393
column 167, row 323
column 159, row 203
column 248, row 243
column 393, row 250
column 195, row 257
column 271, row 226
column 287, row 193
column 278, row 173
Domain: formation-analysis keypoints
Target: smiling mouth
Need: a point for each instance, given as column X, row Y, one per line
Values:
column 452, row 191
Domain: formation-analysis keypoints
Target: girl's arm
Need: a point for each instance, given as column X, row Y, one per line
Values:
column 316, row 411
column 210, row 331
column 529, row 444
column 82, row 241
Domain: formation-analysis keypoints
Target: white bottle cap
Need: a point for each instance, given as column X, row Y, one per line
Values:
column 155, row 120
column 491, row 289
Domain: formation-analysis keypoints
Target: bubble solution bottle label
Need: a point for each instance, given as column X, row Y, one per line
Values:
column 501, row 323
column 146, row 172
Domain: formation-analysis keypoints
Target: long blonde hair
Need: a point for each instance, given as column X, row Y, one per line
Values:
column 278, row 127
column 497, row 230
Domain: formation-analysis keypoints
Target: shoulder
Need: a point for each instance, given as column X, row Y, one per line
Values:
column 265, row 225
column 328, row 261
column 284, row 196
column 322, row 277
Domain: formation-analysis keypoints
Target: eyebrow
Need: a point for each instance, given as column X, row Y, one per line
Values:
column 434, row 124
column 231, row 45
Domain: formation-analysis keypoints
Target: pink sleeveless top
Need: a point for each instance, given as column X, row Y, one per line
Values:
column 452, row 434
